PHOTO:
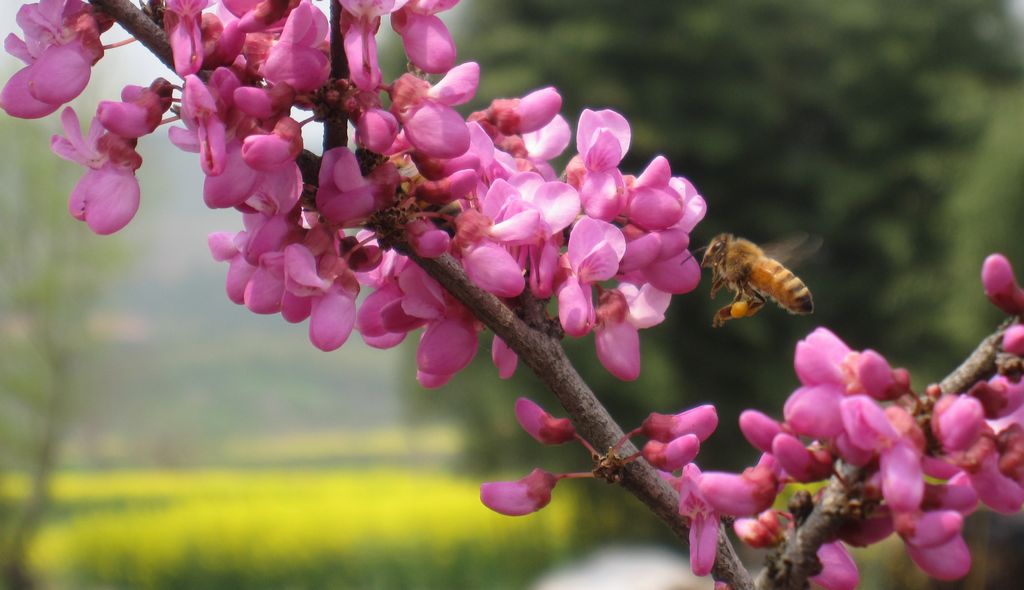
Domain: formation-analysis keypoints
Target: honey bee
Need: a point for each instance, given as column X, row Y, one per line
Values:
column 754, row 277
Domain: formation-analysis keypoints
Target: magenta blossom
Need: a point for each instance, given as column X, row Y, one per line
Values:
column 107, row 196
column 61, row 45
column 520, row 497
column 703, row 520
column 182, row 22
column 541, row 425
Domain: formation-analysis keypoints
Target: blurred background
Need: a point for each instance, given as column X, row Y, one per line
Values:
column 153, row 435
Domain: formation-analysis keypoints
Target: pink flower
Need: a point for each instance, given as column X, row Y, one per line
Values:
column 359, row 23
column 838, row 570
column 297, row 58
column 602, row 139
column 60, row 47
column 426, row 39
column 430, row 124
column 801, row 463
column 523, row 496
column 107, row 196
column 957, row 421
column 653, row 204
column 182, row 23
column 1001, row 285
column 760, row 533
column 700, row 421
column 541, row 425
column 949, row 561
column 674, row 455
column 750, row 492
column 139, row 111
column 595, row 248
column 759, row 429
column 516, row 116
column 703, row 520
column 200, row 113
column 343, row 193
column 1013, row 340
column 376, row 130
column 227, row 247
column 331, row 289
column 272, row 151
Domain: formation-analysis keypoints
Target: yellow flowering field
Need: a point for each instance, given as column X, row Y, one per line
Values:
column 322, row 528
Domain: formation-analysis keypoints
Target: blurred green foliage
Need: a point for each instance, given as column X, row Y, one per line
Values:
column 891, row 130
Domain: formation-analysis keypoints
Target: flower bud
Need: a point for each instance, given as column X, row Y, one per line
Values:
column 523, row 496
column 748, row 493
column 427, row 239
column 799, row 462
column 541, row 425
column 929, row 529
column 998, row 396
column 902, row 478
column 759, row 429
column 376, row 130
column 273, row 150
column 814, row 411
column 761, row 532
column 674, row 455
column 1013, row 340
column 700, row 421
column 1000, row 285
column 957, row 421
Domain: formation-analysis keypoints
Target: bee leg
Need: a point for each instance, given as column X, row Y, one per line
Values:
column 721, row 316
column 754, row 306
column 716, row 285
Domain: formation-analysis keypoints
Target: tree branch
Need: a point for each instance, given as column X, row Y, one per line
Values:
column 540, row 351
column 336, row 126
column 796, row 560
column 140, row 26
column 546, row 357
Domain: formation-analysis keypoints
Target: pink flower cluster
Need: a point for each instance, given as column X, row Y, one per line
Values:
column 672, row 445
column 926, row 460
column 611, row 247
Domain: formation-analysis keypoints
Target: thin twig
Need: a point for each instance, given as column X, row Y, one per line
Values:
column 542, row 352
column 140, row 26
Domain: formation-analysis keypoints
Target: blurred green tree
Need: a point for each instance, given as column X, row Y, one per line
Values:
column 52, row 270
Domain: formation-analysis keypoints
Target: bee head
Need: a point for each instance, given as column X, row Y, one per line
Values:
column 714, row 252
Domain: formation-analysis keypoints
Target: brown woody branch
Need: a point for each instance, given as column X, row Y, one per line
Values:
column 139, row 25
column 538, row 348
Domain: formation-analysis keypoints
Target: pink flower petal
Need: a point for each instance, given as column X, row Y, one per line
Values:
column 838, row 570
column 17, row 101
column 437, row 131
column 618, row 349
column 493, row 269
column 458, row 86
column 427, row 42
column 446, row 347
column 516, row 498
column 106, row 199
column 331, row 318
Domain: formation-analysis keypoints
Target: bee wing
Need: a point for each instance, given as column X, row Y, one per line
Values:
column 794, row 249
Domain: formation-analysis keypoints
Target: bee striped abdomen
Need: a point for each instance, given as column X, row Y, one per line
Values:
column 774, row 279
